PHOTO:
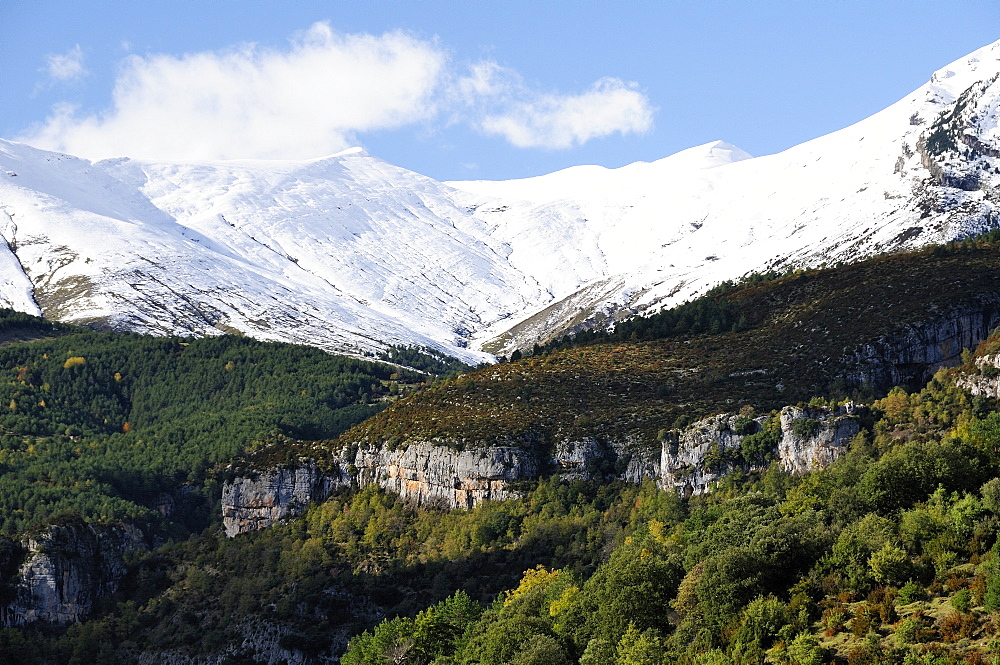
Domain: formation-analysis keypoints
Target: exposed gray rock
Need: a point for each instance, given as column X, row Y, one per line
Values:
column 642, row 462
column 834, row 430
column 912, row 355
column 433, row 473
column 574, row 459
column 709, row 449
column 256, row 502
column 68, row 567
column 700, row 454
column 986, row 381
column 425, row 473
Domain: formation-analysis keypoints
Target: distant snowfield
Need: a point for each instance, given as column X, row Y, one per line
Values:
column 350, row 253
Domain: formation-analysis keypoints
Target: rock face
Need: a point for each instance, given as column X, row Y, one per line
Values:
column 68, row 567
column 432, row 473
column 423, row 474
column 695, row 457
column 709, row 449
column 911, row 357
column 833, row 431
column 986, row 381
column 256, row 502
column 426, row 474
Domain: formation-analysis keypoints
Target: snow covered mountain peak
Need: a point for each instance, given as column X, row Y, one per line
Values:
column 350, row 253
column 578, row 182
column 981, row 64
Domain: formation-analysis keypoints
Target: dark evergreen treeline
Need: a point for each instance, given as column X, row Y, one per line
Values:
column 423, row 359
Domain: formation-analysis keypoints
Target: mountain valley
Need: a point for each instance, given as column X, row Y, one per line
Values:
column 714, row 409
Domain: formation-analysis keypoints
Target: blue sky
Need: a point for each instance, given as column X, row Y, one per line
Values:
column 460, row 90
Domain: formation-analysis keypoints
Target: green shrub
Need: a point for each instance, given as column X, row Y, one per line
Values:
column 757, row 448
column 911, row 592
column 906, row 631
column 805, row 428
column 744, row 426
column 962, row 600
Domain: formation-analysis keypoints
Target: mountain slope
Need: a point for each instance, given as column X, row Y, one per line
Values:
column 350, row 253
column 923, row 170
column 853, row 330
column 322, row 251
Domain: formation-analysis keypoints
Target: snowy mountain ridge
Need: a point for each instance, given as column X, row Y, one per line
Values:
column 350, row 253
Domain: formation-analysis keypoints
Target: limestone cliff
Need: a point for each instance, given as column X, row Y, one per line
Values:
column 259, row 500
column 910, row 356
column 68, row 567
column 985, row 380
column 423, row 473
column 799, row 453
column 695, row 457
column 429, row 474
column 439, row 474
column 702, row 453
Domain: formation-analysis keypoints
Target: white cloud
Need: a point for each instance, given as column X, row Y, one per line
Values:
column 564, row 121
column 67, row 66
column 304, row 102
column 316, row 96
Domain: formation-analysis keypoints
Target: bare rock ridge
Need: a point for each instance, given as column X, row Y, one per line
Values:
column 66, row 569
column 911, row 356
column 439, row 474
column 985, row 380
column 433, row 474
column 711, row 448
column 257, row 502
column 429, row 474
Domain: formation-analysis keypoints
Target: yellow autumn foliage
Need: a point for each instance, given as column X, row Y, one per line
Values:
column 74, row 361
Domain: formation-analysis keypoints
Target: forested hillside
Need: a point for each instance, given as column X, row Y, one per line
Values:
column 887, row 555
column 890, row 555
column 104, row 427
column 767, row 342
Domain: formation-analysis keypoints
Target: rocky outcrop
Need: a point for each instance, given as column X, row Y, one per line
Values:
column 695, row 457
column 434, row 473
column 423, row 473
column 809, row 439
column 429, row 474
column 578, row 459
column 911, row 356
column 833, row 430
column 636, row 461
column 426, row 473
column 259, row 500
column 985, row 380
column 68, row 567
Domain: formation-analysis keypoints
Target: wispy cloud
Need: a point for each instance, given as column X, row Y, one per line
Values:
column 529, row 118
column 63, row 67
column 317, row 96
column 305, row 101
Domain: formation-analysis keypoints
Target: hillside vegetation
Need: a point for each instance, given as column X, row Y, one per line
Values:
column 100, row 426
column 889, row 555
column 764, row 343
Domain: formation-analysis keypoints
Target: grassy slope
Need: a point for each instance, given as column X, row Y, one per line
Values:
column 800, row 326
